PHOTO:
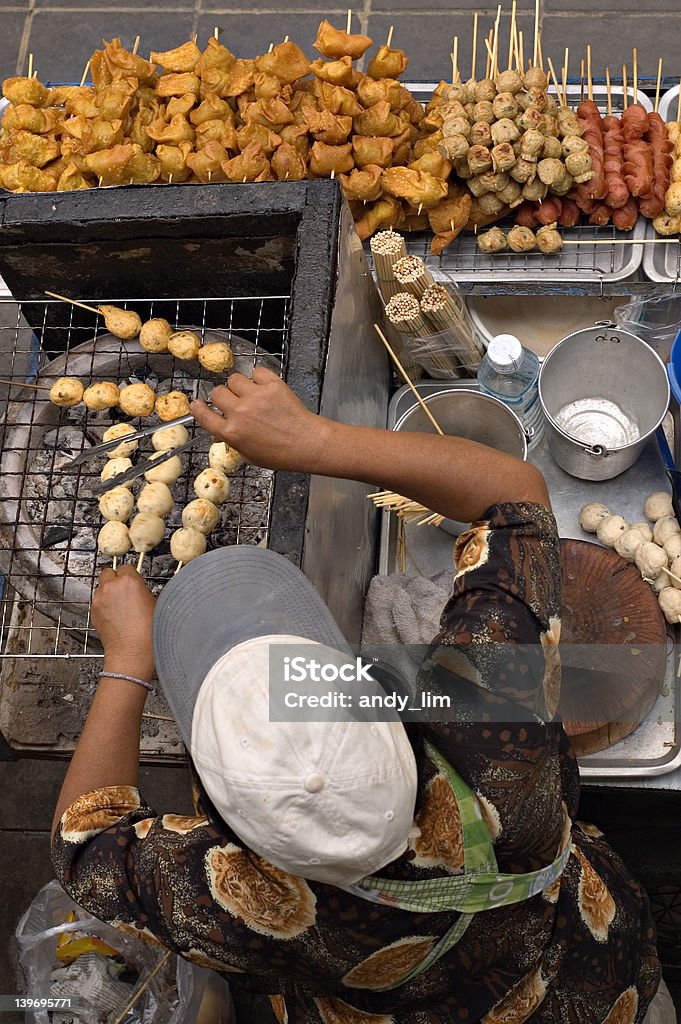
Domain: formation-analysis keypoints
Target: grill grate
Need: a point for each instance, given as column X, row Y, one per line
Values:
column 49, row 519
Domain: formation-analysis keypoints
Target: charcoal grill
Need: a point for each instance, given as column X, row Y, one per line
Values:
column 286, row 283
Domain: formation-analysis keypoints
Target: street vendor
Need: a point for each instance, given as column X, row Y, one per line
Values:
column 360, row 871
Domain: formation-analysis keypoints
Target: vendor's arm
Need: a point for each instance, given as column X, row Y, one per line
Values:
column 108, row 750
column 460, row 479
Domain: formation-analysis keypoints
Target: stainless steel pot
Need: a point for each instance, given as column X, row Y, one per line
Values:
column 603, row 392
column 466, row 413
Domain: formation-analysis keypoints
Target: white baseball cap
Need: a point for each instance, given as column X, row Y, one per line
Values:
column 331, row 801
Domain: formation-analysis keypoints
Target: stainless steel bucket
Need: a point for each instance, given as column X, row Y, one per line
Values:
column 466, row 413
column 603, row 392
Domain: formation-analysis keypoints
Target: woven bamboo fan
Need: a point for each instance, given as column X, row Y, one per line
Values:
column 613, row 647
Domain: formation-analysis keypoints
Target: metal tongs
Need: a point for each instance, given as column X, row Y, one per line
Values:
column 141, row 467
column 672, row 472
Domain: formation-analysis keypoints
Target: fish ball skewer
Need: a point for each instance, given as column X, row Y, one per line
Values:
column 156, row 498
column 658, row 505
column 172, row 406
column 115, row 467
column 184, row 345
column 155, row 334
column 187, row 544
column 102, row 395
column 114, row 539
column 66, row 392
column 146, row 531
column 137, row 400
column 170, row 437
column 213, row 485
column 123, row 323
column 117, row 504
column 125, row 448
column 217, row 357
column 222, row 456
column 200, row 514
column 166, row 473
column 665, row 528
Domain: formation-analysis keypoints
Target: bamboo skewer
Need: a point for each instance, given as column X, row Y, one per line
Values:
column 216, row 32
column 581, row 80
column 488, row 45
column 73, row 302
column 564, row 76
column 541, row 55
column 659, row 82
column 635, row 60
column 455, row 60
column 521, row 51
column 390, row 37
column 475, row 45
column 135, row 996
column 114, row 564
column 25, row 384
column 678, row 105
column 589, row 80
column 136, row 44
column 84, row 75
column 349, row 21
column 179, row 566
column 139, row 562
column 30, row 66
column 511, row 36
column 622, row 241
column 625, row 94
column 555, row 80
column 408, row 380
column 495, row 47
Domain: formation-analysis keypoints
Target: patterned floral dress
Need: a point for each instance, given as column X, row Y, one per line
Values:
column 581, row 952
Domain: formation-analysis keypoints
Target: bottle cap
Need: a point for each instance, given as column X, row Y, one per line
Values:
column 505, row 352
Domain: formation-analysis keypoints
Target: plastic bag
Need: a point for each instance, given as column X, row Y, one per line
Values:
column 173, row 996
column 656, row 320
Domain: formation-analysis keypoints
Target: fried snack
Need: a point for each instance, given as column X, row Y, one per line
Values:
column 24, row 177
column 389, row 90
column 335, row 72
column 215, row 56
column 333, row 129
column 664, row 224
column 387, row 63
column 179, row 130
column 173, row 161
column 123, row 64
column 433, row 163
column 296, row 136
column 549, row 239
column 171, row 406
column 60, row 94
column 183, row 58
column 378, row 121
column 66, row 392
column 492, row 241
column 154, row 335
column 257, row 134
column 449, row 217
column 249, row 165
column 337, row 99
column 142, row 169
column 363, row 185
column 180, row 105
column 102, row 395
column 210, row 109
column 272, row 113
column 367, row 151
column 285, row 61
column 227, row 82
column 385, row 213
column 503, row 157
column 521, row 239
column 217, row 131
column 109, row 165
column 32, row 119
column 334, row 43
column 418, row 187
column 25, row 90
column 288, row 164
column 184, row 345
column 34, row 149
column 325, row 159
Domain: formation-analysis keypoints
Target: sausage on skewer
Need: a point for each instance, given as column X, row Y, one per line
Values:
column 657, row 137
column 613, row 140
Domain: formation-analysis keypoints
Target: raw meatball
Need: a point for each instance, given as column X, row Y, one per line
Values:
column 114, row 539
column 172, row 406
column 201, row 515
column 212, row 484
column 184, row 345
column 170, row 437
column 650, row 559
column 610, row 528
column 216, row 357
column 137, row 400
column 166, row 473
column 187, row 544
column 660, row 582
column 221, row 456
column 125, row 448
column 645, row 530
column 675, row 567
column 146, row 531
column 591, row 515
column 665, row 528
column 658, row 505
column 155, row 334
column 627, row 543
column 156, row 498
column 103, row 395
column 66, row 392
column 670, row 603
column 117, row 504
column 115, row 467
column 122, row 323
column 672, row 545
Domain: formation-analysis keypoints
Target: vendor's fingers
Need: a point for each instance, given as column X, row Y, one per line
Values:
column 107, row 574
column 127, row 570
column 211, row 421
column 239, row 384
column 261, row 375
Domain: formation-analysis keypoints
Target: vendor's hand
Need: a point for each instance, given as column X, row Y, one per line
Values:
column 122, row 613
column 265, row 422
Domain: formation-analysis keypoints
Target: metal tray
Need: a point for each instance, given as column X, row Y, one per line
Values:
column 668, row 104
column 661, row 263
column 654, row 748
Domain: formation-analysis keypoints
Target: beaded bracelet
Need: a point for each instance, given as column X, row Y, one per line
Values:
column 130, row 679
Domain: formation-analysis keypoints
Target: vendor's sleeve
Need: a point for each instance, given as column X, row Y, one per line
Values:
column 496, row 653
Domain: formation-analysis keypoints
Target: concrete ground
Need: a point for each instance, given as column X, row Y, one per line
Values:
column 61, row 35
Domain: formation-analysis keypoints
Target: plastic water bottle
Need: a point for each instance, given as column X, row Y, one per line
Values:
column 510, row 372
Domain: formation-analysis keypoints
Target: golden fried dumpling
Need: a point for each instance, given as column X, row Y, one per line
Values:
column 267, row 86
column 232, row 81
column 71, row 180
column 178, row 84
column 259, row 135
column 434, row 163
column 212, row 108
column 378, row 120
column 116, row 100
column 419, row 188
column 337, row 99
column 270, row 113
column 215, row 56
column 449, row 217
column 123, row 64
column 296, row 136
column 137, row 132
column 333, row 42
column 32, row 119
column 387, row 63
column 364, row 184
column 207, row 162
column 336, row 72
column 179, row 130
column 25, row 90
column 180, row 105
column 173, row 161
column 285, row 61
column 288, row 164
column 142, row 168
column 371, row 91
column 248, row 165
column 109, row 165
column 217, row 131
column 23, row 176
column 325, row 159
column 327, row 127
column 100, row 73
column 60, row 94
column 182, row 58
column 386, row 213
column 367, row 150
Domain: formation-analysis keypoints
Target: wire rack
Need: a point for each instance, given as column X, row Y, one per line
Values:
column 49, row 518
